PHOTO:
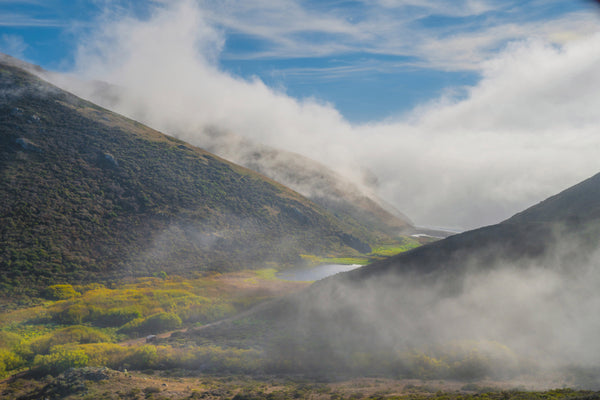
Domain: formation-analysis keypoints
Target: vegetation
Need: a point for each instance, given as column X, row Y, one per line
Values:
column 90, row 328
column 96, row 327
column 93, row 383
column 382, row 251
column 87, row 195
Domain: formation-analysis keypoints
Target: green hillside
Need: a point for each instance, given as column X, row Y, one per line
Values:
column 86, row 193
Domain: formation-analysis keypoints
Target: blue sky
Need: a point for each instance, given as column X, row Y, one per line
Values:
column 370, row 59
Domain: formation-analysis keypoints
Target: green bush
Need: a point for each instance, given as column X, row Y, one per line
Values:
column 9, row 361
column 106, row 354
column 71, row 334
column 143, row 357
column 8, row 340
column 59, row 360
column 60, row 292
column 156, row 323
column 114, row 317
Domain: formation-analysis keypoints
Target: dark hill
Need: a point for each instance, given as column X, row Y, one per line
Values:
column 572, row 215
column 356, row 204
column 86, row 193
column 519, row 296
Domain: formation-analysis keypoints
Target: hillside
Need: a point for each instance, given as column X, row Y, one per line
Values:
column 500, row 301
column 325, row 187
column 571, row 216
column 355, row 203
column 86, row 193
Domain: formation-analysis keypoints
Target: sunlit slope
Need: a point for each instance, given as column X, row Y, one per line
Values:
column 85, row 193
column 358, row 206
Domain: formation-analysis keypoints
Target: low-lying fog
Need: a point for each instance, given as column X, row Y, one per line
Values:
column 475, row 316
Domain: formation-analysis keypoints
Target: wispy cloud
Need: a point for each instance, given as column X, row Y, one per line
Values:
column 13, row 44
column 20, row 20
column 470, row 49
column 431, row 34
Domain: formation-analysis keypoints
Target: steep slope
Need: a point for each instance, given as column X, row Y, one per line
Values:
column 519, row 296
column 356, row 204
column 86, row 193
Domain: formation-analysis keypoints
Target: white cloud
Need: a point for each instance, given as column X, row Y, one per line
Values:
column 469, row 50
column 526, row 131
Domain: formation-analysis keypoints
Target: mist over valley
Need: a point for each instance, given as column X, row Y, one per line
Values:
column 298, row 199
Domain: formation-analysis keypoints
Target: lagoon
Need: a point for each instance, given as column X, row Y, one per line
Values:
column 315, row 273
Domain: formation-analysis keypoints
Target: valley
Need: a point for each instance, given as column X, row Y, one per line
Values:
column 136, row 265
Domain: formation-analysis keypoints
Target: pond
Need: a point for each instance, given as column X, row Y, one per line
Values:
column 314, row 273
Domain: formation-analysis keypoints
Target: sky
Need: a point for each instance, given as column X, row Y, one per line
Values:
column 467, row 111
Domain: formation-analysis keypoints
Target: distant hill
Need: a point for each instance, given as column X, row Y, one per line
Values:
column 87, row 193
column 355, row 205
column 516, row 297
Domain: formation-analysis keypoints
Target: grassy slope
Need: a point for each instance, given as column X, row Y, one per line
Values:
column 86, row 193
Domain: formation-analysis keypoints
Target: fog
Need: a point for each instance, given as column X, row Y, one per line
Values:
column 488, row 312
column 527, row 130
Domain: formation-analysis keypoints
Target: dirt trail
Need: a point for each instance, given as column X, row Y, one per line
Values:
column 142, row 340
column 164, row 335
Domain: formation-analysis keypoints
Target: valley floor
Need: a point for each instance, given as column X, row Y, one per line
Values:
column 102, row 383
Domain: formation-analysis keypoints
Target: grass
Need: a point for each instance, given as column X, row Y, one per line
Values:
column 388, row 250
column 384, row 250
column 267, row 274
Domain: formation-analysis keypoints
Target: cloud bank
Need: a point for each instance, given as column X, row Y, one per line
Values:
column 527, row 130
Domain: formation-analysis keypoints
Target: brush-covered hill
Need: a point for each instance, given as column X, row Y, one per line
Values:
column 354, row 202
column 513, row 298
column 86, row 193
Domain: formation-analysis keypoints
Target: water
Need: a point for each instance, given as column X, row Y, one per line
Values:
column 314, row 273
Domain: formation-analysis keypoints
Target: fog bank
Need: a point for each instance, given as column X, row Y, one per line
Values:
column 526, row 130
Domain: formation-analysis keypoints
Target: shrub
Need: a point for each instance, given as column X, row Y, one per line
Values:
column 9, row 361
column 59, row 360
column 115, row 317
column 106, row 354
column 60, row 292
column 156, row 323
column 8, row 340
column 71, row 334
column 143, row 357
